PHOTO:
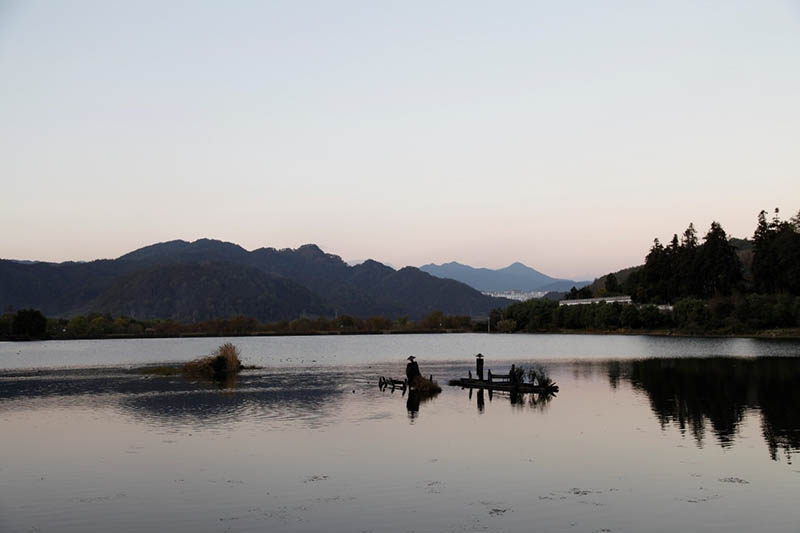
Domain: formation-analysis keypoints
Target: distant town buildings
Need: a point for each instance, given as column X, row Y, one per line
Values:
column 664, row 308
column 516, row 295
column 608, row 300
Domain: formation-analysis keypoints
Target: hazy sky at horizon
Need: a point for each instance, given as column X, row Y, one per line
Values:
column 566, row 135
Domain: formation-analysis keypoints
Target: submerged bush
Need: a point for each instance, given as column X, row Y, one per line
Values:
column 538, row 375
column 424, row 385
column 224, row 362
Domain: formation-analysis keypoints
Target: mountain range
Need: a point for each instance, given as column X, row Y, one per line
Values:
column 514, row 277
column 208, row 279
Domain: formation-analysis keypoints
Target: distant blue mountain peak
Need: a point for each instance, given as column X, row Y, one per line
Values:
column 515, row 277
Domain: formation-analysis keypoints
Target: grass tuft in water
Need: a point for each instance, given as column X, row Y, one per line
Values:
column 222, row 363
column 424, row 385
column 538, row 374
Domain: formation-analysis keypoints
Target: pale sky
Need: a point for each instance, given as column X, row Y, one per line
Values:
column 566, row 135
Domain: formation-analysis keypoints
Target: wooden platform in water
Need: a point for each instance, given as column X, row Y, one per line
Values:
column 468, row 383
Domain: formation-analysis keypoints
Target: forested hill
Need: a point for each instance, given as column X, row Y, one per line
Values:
column 715, row 267
column 209, row 279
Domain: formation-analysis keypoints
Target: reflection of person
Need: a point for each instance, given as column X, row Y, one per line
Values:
column 412, row 369
column 412, row 404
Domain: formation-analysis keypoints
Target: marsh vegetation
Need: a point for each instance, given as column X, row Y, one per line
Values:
column 223, row 364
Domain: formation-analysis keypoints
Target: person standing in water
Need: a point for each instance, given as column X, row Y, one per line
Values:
column 412, row 369
column 479, row 366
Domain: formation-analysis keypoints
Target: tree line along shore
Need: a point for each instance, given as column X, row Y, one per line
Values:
column 31, row 324
column 754, row 315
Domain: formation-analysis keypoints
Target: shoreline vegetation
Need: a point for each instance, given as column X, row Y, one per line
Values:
column 599, row 319
column 30, row 324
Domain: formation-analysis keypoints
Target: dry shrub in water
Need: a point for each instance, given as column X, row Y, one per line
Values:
column 222, row 363
column 538, row 375
column 427, row 386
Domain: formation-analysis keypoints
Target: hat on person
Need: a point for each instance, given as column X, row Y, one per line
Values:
column 411, row 357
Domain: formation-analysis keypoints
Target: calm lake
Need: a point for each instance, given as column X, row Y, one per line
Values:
column 646, row 434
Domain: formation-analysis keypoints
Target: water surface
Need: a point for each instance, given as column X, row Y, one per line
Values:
column 646, row 434
column 330, row 350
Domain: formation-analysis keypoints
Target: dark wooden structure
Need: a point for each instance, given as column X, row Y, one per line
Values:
column 384, row 383
column 502, row 385
column 502, row 382
column 403, row 384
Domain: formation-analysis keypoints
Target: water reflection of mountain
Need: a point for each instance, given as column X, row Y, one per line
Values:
column 174, row 401
column 719, row 391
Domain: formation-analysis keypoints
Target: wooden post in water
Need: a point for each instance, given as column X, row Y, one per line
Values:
column 479, row 366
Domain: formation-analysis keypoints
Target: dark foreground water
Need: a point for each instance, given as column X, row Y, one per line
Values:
column 645, row 435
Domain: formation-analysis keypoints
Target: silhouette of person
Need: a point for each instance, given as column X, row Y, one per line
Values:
column 412, row 369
